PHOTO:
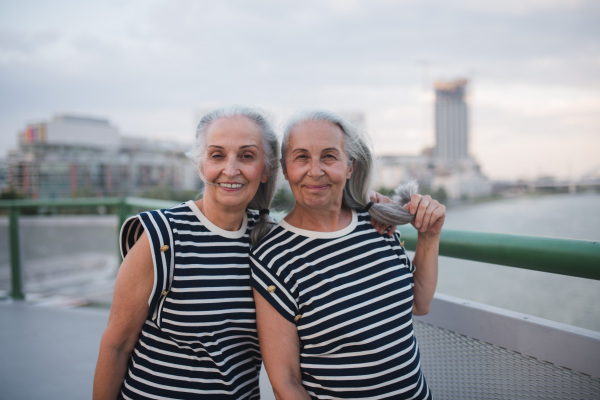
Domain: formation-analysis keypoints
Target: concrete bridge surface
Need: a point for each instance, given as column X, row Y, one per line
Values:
column 49, row 352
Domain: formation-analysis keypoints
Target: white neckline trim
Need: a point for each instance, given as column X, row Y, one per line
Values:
column 322, row 235
column 214, row 228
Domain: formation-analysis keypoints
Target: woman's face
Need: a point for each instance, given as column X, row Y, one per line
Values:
column 316, row 165
column 233, row 162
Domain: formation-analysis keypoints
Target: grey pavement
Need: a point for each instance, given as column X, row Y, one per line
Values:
column 49, row 352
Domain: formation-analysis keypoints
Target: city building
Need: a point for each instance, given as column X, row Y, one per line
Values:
column 393, row 170
column 74, row 156
column 460, row 180
column 447, row 168
column 451, row 121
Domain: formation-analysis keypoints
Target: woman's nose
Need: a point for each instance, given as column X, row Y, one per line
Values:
column 315, row 169
column 231, row 168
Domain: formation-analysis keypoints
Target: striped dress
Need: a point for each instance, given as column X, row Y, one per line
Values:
column 350, row 295
column 199, row 340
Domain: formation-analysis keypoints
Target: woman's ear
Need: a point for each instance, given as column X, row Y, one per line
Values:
column 350, row 170
column 199, row 170
column 283, row 170
column 265, row 176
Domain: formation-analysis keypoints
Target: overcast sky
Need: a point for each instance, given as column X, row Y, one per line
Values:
column 151, row 67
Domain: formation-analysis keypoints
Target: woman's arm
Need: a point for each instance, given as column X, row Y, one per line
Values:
column 127, row 315
column 280, row 349
column 429, row 219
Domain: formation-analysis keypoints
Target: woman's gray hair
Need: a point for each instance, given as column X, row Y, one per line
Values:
column 356, row 191
column 264, row 195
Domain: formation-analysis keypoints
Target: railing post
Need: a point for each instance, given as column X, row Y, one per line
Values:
column 16, row 290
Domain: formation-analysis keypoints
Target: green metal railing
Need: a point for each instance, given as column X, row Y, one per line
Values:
column 124, row 206
column 570, row 257
column 580, row 258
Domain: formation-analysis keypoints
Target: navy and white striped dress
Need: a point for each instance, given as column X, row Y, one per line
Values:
column 199, row 340
column 350, row 295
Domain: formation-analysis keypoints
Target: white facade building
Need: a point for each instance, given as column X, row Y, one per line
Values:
column 73, row 156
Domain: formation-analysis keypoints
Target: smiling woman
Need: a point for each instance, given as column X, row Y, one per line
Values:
column 334, row 297
column 182, row 321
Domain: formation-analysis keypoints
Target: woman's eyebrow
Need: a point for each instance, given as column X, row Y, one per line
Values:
column 241, row 147
column 322, row 151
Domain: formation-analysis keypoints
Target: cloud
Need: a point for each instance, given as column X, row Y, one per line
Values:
column 149, row 65
column 525, row 7
column 12, row 41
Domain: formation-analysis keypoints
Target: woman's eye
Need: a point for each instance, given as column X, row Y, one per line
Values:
column 248, row 156
column 215, row 156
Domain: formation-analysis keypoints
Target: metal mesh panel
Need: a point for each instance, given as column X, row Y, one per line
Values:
column 459, row 367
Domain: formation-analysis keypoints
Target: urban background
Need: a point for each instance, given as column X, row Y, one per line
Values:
column 470, row 98
column 71, row 156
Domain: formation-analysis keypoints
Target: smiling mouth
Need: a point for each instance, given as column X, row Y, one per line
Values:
column 230, row 185
column 316, row 187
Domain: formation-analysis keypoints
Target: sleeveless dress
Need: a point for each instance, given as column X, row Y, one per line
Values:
column 350, row 295
column 199, row 340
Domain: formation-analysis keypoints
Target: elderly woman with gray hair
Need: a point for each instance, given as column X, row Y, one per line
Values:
column 334, row 297
column 182, row 322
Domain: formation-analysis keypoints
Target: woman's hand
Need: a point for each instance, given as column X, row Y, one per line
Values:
column 429, row 219
column 376, row 197
column 429, row 214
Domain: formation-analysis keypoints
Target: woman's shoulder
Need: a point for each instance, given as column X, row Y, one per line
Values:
column 274, row 238
column 186, row 207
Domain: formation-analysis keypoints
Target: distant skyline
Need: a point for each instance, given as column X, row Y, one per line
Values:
column 151, row 67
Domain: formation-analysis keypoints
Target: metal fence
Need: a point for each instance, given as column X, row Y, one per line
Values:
column 521, row 251
column 20, row 226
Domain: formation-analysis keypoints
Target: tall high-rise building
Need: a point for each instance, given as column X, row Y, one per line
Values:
column 451, row 121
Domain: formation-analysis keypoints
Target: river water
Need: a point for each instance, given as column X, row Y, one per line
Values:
column 570, row 300
column 77, row 255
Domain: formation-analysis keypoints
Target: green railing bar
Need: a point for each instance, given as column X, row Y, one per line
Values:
column 77, row 202
column 571, row 257
column 149, row 204
column 137, row 202
column 124, row 206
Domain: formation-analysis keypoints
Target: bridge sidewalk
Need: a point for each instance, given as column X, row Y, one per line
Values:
column 50, row 353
